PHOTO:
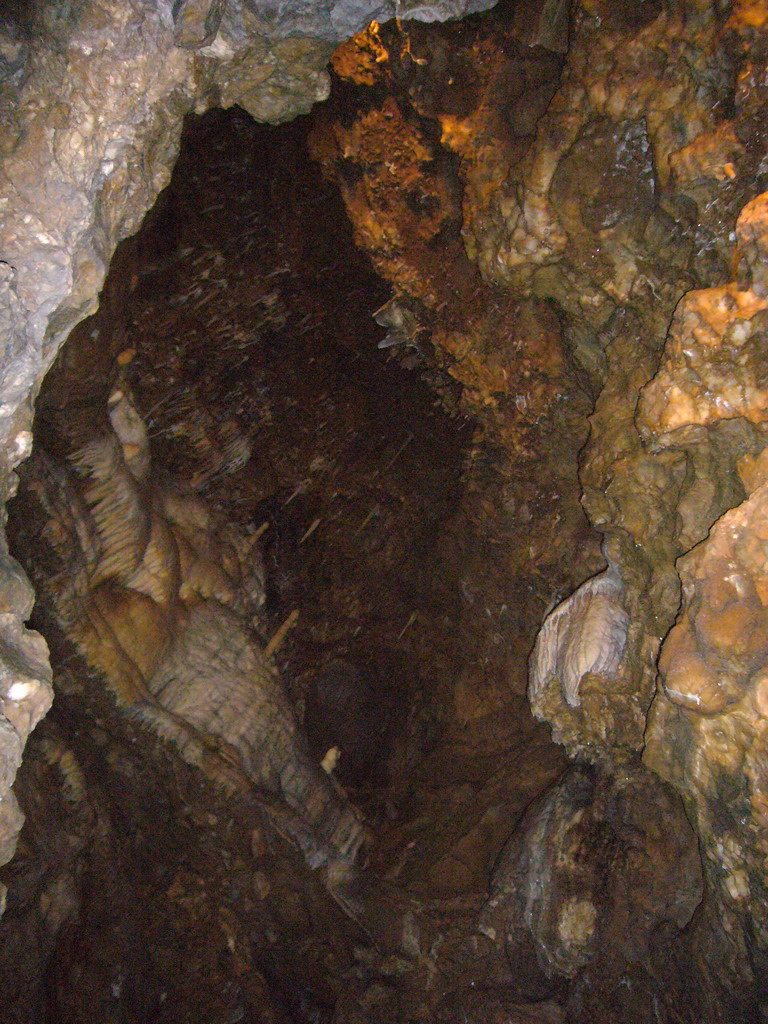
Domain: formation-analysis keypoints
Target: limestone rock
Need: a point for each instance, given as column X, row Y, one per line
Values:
column 144, row 584
column 713, row 154
column 559, row 881
column 14, row 49
column 586, row 634
column 544, row 23
column 522, row 226
column 86, row 150
column 338, row 20
column 752, row 243
column 25, row 676
column 707, row 730
column 25, row 696
column 713, row 364
column 197, row 21
column 11, row 820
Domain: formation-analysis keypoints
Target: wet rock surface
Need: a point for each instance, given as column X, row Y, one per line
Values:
column 545, row 210
column 572, row 240
column 706, row 731
column 296, row 420
column 91, row 103
column 560, row 883
column 713, row 363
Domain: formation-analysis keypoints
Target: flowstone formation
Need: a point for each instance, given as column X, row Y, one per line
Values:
column 707, row 726
column 558, row 894
column 158, row 595
column 266, row 404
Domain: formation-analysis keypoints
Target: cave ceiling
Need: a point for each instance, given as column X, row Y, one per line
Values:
column 383, row 433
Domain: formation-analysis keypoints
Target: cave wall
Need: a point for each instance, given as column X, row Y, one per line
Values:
column 626, row 198
column 92, row 96
column 602, row 192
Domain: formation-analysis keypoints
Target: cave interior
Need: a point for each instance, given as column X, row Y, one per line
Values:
column 308, row 418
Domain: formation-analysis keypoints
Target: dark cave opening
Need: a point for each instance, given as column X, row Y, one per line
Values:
column 240, row 321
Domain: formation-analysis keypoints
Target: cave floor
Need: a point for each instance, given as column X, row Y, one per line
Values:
column 242, row 316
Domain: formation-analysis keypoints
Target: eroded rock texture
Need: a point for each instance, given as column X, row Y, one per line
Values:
column 612, row 185
column 707, row 730
column 559, row 890
column 92, row 98
column 157, row 594
column 712, row 368
column 25, row 696
column 567, row 204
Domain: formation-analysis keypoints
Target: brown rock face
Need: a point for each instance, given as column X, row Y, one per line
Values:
column 609, row 186
column 92, row 99
column 551, row 194
column 752, row 241
column 713, row 366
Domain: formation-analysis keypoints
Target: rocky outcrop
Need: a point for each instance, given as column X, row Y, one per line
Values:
column 560, row 884
column 707, row 731
column 706, row 725
column 91, row 107
column 25, row 696
column 156, row 592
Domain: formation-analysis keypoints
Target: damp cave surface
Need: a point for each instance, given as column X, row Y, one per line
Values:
column 241, row 317
column 368, row 403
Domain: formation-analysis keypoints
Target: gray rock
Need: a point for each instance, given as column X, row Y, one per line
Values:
column 197, row 21
column 338, row 21
column 14, row 49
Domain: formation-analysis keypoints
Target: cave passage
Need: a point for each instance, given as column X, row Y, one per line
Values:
column 424, row 418
column 240, row 319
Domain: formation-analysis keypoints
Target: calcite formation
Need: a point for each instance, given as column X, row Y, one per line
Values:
column 91, row 105
column 704, row 729
column 707, row 730
column 541, row 215
column 713, row 364
column 559, row 883
column 752, row 244
column 586, row 634
column 155, row 593
column 590, row 672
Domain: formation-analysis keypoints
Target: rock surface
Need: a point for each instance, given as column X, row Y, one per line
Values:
column 91, row 108
column 707, row 731
column 611, row 187
column 158, row 594
column 546, row 222
column 712, row 368
column 560, row 883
